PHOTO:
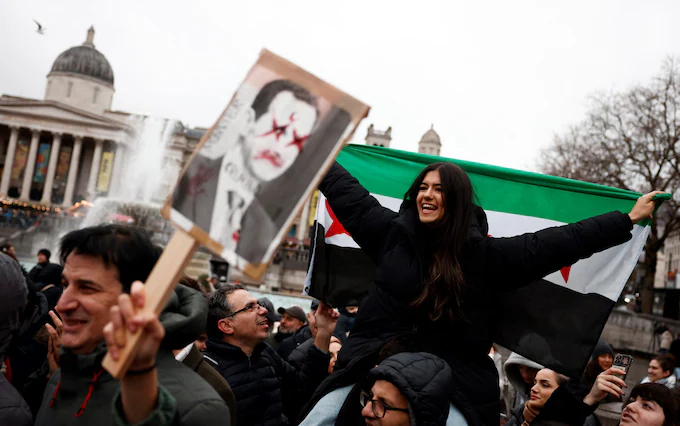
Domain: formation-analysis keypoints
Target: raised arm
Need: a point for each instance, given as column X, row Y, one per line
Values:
column 139, row 390
column 522, row 259
column 300, row 384
column 142, row 400
column 607, row 383
column 519, row 260
column 360, row 213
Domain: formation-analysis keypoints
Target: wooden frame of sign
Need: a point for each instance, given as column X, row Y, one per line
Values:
column 250, row 174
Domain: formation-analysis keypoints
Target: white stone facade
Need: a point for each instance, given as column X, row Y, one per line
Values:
column 430, row 143
column 80, row 92
column 668, row 263
column 378, row 138
column 71, row 146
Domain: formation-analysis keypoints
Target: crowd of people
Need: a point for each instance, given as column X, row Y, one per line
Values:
column 532, row 386
column 18, row 217
column 415, row 352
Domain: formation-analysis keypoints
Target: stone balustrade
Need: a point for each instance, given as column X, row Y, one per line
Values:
column 630, row 331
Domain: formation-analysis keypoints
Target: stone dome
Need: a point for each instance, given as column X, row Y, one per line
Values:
column 85, row 60
column 431, row 136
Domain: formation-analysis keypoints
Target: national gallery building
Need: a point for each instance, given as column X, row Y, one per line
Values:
column 70, row 146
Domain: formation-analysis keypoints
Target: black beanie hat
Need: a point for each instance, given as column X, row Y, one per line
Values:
column 602, row 348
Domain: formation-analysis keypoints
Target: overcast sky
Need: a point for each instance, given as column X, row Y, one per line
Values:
column 497, row 79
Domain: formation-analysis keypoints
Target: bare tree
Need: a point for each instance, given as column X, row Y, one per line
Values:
column 629, row 140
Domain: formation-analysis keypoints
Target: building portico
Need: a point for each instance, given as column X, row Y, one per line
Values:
column 53, row 154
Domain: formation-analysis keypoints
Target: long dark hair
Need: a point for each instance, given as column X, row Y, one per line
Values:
column 444, row 281
column 593, row 370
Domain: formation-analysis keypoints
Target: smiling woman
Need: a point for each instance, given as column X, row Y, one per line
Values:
column 439, row 276
column 661, row 370
column 443, row 196
column 430, row 203
column 546, row 383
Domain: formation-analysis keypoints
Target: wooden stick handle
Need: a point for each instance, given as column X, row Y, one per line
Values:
column 159, row 287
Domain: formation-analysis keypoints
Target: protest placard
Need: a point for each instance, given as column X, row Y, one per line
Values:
column 250, row 175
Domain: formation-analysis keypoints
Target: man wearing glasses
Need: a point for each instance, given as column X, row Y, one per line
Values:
column 408, row 389
column 268, row 390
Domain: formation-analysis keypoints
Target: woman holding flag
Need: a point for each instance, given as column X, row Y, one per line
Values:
column 438, row 276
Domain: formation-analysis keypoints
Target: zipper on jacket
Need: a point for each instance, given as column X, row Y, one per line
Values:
column 250, row 364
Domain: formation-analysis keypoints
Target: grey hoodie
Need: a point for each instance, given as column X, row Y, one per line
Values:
column 515, row 378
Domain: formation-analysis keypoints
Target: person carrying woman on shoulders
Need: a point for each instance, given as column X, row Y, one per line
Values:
column 439, row 277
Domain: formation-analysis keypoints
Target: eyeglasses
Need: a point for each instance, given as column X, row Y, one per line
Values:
column 379, row 407
column 249, row 307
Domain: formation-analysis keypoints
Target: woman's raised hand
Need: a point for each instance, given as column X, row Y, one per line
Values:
column 644, row 207
column 606, row 383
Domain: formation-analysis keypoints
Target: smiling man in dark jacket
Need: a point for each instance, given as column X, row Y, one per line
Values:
column 100, row 264
column 269, row 391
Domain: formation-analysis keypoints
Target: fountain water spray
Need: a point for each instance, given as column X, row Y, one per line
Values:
column 144, row 170
column 144, row 181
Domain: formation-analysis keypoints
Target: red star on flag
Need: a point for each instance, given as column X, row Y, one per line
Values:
column 336, row 227
column 565, row 273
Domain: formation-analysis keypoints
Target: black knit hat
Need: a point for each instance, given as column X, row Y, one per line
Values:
column 45, row 253
column 602, row 348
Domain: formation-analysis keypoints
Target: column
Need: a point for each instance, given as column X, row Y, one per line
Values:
column 117, row 169
column 94, row 170
column 3, row 145
column 303, row 226
column 30, row 166
column 51, row 169
column 9, row 160
column 73, row 171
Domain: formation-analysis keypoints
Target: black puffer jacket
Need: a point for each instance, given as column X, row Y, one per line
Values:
column 268, row 390
column 46, row 273
column 396, row 244
column 288, row 345
column 565, row 407
column 28, row 354
column 297, row 357
column 425, row 381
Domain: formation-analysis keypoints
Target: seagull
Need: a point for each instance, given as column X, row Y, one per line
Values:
column 40, row 28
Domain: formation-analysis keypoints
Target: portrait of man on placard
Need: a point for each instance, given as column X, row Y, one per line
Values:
column 257, row 162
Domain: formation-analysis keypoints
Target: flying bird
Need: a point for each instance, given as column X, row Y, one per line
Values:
column 40, row 28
